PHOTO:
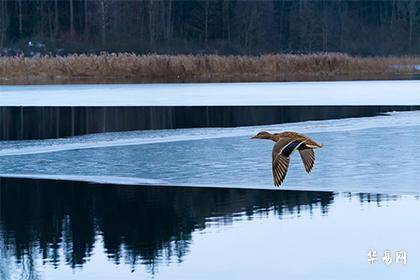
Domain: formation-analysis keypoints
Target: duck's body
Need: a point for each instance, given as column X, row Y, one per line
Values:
column 286, row 143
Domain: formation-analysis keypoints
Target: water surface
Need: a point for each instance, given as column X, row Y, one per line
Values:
column 73, row 230
column 378, row 154
column 230, row 222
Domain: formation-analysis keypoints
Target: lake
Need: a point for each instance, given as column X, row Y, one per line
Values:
column 74, row 230
column 200, row 204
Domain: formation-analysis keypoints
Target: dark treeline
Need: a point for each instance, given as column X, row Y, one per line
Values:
column 213, row 26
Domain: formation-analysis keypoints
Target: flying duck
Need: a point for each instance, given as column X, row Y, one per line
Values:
column 286, row 143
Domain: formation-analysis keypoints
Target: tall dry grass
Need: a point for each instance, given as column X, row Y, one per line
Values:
column 193, row 68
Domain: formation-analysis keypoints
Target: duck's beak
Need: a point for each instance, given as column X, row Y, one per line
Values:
column 254, row 137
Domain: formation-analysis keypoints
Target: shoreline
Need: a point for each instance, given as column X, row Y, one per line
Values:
column 27, row 81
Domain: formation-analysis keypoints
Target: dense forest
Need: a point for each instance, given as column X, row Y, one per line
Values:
column 390, row 27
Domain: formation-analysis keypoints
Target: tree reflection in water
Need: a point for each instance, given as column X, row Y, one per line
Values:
column 138, row 224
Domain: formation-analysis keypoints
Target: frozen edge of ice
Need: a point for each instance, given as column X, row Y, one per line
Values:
column 145, row 182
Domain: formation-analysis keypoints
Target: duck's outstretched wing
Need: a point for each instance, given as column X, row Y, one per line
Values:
column 308, row 159
column 310, row 143
column 281, row 157
column 280, row 166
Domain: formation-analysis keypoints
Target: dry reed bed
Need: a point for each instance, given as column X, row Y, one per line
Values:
column 198, row 67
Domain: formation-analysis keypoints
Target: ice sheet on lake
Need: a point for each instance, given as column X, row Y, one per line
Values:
column 114, row 139
column 377, row 154
column 221, row 94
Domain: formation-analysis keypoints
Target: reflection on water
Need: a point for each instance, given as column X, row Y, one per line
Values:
column 145, row 221
column 47, row 227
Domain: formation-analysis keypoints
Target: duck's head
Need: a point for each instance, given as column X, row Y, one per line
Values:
column 263, row 135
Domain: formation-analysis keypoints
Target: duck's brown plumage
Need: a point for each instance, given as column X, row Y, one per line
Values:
column 286, row 143
column 296, row 136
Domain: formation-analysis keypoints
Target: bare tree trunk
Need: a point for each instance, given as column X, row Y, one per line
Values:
column 226, row 18
column 206, row 23
column 50, row 24
column 249, row 31
column 280, row 30
column 343, row 18
column 162, row 23
column 3, row 20
column 141, row 20
column 71, row 20
column 169, row 21
column 391, row 24
column 151, row 25
column 56, row 22
column 103, row 23
column 20, row 18
column 325, row 27
column 86, row 21
column 303, row 27
column 42, row 23
column 411, row 17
